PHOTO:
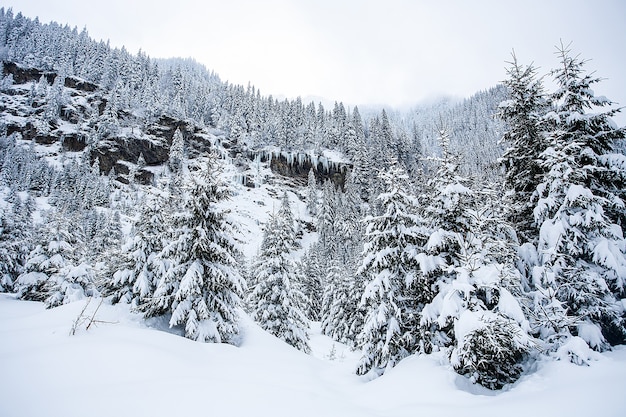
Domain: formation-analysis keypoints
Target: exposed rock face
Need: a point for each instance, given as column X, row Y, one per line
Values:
column 112, row 150
column 300, row 170
column 118, row 151
column 298, row 167
column 74, row 142
column 81, row 85
column 23, row 75
column 195, row 142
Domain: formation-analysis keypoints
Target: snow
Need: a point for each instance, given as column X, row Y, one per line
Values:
column 121, row 366
column 577, row 351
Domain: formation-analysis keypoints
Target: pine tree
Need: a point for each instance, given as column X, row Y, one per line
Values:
column 177, row 152
column 15, row 242
column 276, row 301
column 334, row 316
column 285, row 216
column 53, row 272
column 202, row 284
column 312, row 285
column 390, row 264
column 311, row 196
column 133, row 276
column 523, row 112
column 478, row 302
column 581, row 246
column 445, row 210
column 327, row 221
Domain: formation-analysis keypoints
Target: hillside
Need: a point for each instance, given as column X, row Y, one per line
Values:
column 277, row 257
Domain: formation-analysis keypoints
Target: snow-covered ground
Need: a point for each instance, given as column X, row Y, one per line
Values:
column 127, row 367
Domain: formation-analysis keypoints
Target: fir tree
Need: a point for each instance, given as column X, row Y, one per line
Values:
column 276, row 301
column 177, row 152
column 202, row 288
column 581, row 246
column 52, row 273
column 311, row 196
column 312, row 285
column 390, row 263
column 134, row 275
column 476, row 309
column 523, row 112
column 15, row 242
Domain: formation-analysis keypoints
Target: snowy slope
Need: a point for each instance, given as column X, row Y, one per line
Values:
column 127, row 368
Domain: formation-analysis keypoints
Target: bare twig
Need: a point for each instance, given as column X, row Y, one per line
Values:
column 89, row 319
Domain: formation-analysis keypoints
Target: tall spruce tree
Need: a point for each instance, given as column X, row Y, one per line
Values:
column 134, row 273
column 389, row 266
column 523, row 111
column 202, row 285
column 276, row 301
column 581, row 245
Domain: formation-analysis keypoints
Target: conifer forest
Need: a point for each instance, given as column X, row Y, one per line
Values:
column 488, row 231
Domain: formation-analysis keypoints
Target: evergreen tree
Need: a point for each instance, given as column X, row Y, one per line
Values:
column 523, row 112
column 202, row 288
column 311, row 196
column 445, row 212
column 177, row 152
column 327, row 221
column 134, row 275
column 52, row 273
column 312, row 285
column 285, row 216
column 581, row 246
column 15, row 242
column 478, row 302
column 390, row 263
column 276, row 301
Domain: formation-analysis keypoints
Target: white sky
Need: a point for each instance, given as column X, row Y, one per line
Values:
column 391, row 52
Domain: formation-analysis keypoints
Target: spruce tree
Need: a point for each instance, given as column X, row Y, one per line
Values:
column 15, row 242
column 478, row 304
column 581, row 245
column 133, row 274
column 53, row 272
column 523, row 112
column 202, row 286
column 177, row 152
column 313, row 279
column 276, row 301
column 311, row 196
column 390, row 264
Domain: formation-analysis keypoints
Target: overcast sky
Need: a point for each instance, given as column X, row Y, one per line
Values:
column 391, row 52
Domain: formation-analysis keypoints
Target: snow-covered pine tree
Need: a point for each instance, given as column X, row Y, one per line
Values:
column 343, row 315
column 390, row 264
column 134, row 274
column 445, row 213
column 335, row 321
column 327, row 221
column 16, row 231
column 313, row 279
column 285, row 215
column 478, row 301
column 581, row 247
column 177, row 152
column 203, row 287
column 276, row 302
column 523, row 112
column 312, row 194
column 349, row 224
column 51, row 273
